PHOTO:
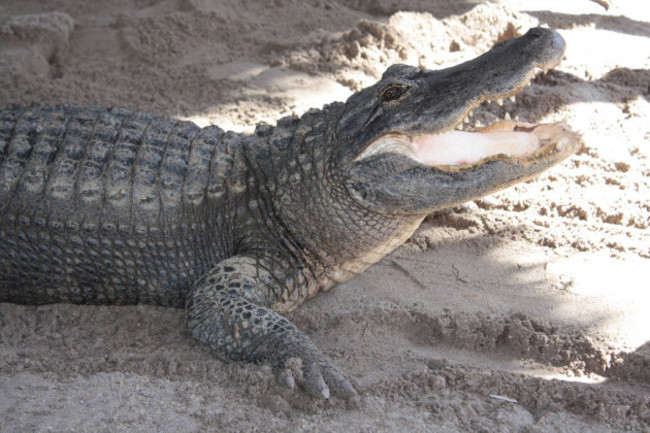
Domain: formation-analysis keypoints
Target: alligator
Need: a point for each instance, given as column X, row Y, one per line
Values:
column 107, row 206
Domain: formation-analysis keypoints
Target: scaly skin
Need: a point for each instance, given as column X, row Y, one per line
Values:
column 107, row 206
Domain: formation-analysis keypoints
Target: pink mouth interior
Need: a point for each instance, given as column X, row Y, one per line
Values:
column 444, row 149
column 510, row 139
column 461, row 148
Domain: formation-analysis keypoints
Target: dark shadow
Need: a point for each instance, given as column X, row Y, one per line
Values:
column 559, row 89
column 614, row 23
column 623, row 83
column 633, row 367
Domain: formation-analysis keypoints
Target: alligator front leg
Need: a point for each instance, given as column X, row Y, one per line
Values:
column 228, row 311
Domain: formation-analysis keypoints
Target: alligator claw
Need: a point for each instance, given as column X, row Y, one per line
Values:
column 314, row 383
column 339, row 384
column 316, row 375
column 286, row 379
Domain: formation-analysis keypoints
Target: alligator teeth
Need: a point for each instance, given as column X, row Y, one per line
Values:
column 470, row 113
column 512, row 98
column 465, row 120
column 517, row 118
column 500, row 102
column 507, row 116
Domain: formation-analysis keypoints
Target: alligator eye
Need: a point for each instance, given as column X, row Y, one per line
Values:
column 393, row 92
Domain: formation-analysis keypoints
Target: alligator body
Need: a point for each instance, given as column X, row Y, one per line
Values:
column 106, row 206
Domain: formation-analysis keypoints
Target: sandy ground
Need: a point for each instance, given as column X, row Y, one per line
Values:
column 538, row 294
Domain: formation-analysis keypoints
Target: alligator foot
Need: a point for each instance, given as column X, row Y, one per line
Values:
column 300, row 361
column 228, row 311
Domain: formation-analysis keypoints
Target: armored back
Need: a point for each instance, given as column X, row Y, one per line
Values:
column 99, row 166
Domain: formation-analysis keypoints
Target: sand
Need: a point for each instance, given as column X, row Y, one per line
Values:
column 526, row 311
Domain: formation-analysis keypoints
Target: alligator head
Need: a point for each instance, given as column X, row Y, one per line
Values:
column 354, row 180
column 398, row 145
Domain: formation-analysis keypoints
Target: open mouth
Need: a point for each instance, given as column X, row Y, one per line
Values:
column 505, row 140
column 455, row 150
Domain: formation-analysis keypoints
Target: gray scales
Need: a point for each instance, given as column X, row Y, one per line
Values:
column 106, row 206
